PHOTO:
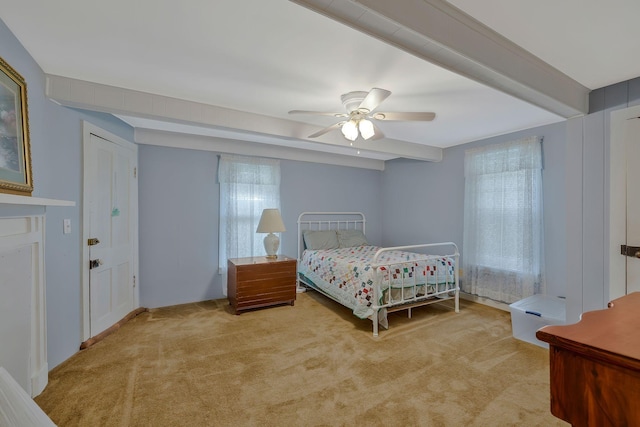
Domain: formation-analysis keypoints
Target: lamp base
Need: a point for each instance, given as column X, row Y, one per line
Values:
column 271, row 244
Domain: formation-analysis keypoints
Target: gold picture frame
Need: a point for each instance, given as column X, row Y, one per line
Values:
column 15, row 151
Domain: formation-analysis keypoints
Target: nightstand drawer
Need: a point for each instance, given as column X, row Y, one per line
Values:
column 266, row 298
column 265, row 287
column 265, row 272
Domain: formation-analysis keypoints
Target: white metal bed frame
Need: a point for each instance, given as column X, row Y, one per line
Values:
column 356, row 220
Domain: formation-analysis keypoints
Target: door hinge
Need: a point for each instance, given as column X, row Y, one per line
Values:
column 135, row 172
column 134, row 280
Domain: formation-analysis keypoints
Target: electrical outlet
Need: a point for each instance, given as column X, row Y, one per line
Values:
column 66, row 226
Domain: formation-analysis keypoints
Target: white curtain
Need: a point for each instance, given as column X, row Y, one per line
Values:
column 247, row 186
column 503, row 229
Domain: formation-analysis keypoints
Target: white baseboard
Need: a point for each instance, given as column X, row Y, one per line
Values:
column 485, row 301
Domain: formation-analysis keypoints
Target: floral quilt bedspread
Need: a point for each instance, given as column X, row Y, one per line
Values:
column 348, row 276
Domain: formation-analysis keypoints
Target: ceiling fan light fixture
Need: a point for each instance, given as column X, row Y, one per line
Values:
column 361, row 108
column 350, row 130
column 366, row 129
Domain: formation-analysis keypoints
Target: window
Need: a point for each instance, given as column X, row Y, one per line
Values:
column 502, row 247
column 247, row 186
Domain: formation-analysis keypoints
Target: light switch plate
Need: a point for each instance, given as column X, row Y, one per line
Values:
column 66, row 226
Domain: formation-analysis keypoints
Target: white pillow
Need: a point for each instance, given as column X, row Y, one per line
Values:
column 321, row 239
column 350, row 238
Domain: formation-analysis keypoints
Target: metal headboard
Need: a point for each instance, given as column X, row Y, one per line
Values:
column 318, row 221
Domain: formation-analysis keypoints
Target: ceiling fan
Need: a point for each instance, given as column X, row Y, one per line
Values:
column 360, row 108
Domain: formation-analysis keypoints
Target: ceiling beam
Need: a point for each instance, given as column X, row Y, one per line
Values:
column 120, row 101
column 229, row 146
column 442, row 34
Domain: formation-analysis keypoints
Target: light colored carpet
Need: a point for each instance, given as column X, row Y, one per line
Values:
column 313, row 364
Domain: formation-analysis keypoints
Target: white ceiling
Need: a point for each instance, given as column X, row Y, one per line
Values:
column 595, row 42
column 269, row 57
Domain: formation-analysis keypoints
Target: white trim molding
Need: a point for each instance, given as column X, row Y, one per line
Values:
column 13, row 199
column 231, row 146
column 126, row 102
column 23, row 313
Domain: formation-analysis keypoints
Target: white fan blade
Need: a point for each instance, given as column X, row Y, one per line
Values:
column 319, row 113
column 373, row 99
column 325, row 130
column 378, row 134
column 405, row 116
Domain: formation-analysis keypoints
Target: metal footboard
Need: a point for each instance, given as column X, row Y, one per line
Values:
column 403, row 288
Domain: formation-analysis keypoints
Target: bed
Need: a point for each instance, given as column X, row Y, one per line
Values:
column 336, row 259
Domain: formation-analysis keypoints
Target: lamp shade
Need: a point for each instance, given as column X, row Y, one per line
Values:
column 270, row 222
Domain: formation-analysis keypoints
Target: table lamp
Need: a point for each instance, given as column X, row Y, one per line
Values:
column 271, row 222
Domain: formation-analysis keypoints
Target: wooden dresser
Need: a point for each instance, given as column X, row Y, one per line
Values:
column 261, row 282
column 595, row 366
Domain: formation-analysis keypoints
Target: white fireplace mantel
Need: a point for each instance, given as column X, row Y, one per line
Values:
column 23, row 328
column 12, row 199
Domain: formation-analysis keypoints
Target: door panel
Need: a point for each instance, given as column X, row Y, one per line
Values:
column 633, row 202
column 111, row 218
column 123, row 272
column 100, row 296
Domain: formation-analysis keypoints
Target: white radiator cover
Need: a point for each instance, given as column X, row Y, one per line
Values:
column 23, row 329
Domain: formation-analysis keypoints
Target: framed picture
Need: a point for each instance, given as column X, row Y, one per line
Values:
column 15, row 155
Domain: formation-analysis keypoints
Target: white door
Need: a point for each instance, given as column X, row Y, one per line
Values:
column 111, row 219
column 633, row 204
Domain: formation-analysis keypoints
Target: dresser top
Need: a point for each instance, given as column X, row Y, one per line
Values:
column 608, row 334
column 259, row 260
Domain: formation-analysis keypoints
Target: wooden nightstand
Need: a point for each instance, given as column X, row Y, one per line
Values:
column 261, row 282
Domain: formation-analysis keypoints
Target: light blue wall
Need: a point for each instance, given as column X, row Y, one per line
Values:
column 307, row 187
column 424, row 202
column 178, row 206
column 179, row 197
column 56, row 150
